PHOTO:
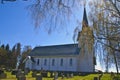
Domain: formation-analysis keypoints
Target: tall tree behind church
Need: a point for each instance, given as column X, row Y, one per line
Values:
column 106, row 20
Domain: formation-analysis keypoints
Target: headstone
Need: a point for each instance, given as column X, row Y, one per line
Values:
column 38, row 77
column 62, row 75
column 34, row 74
column 8, row 70
column 3, row 75
column 96, row 78
column 68, row 76
column 26, row 70
column 1, row 71
column 20, row 75
column 55, row 76
column 112, row 75
column 51, row 74
column 21, row 78
column 44, row 74
column 71, row 75
column 14, row 72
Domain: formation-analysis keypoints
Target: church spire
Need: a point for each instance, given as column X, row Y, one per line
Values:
column 85, row 20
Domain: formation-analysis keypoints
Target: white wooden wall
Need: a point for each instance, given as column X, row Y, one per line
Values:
column 57, row 67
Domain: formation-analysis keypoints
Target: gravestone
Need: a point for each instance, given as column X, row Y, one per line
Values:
column 71, row 75
column 20, row 75
column 62, row 75
column 55, row 76
column 51, row 74
column 38, row 76
column 112, row 75
column 26, row 71
column 34, row 74
column 96, row 78
column 1, row 71
column 8, row 70
column 68, row 76
column 2, row 74
column 44, row 74
column 14, row 72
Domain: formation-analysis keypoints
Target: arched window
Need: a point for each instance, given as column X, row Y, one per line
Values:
column 53, row 62
column 38, row 62
column 71, row 62
column 61, row 62
column 45, row 62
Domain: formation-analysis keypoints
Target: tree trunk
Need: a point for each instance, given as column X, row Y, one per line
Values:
column 115, row 59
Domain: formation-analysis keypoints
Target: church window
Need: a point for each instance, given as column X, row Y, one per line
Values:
column 53, row 62
column 38, row 62
column 61, row 62
column 45, row 62
column 71, row 62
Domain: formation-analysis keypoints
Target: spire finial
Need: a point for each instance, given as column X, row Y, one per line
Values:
column 84, row 3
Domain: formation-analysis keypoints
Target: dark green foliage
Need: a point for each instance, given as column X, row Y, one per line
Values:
column 2, row 46
column 18, row 50
column 7, row 47
column 8, row 57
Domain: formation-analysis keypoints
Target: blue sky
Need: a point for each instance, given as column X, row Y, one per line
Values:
column 16, row 26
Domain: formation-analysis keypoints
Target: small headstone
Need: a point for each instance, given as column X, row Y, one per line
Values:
column 20, row 75
column 38, row 77
column 68, row 76
column 44, row 74
column 112, row 75
column 14, row 72
column 34, row 74
column 51, row 74
column 62, row 76
column 55, row 76
column 71, row 75
column 1, row 71
column 3, row 75
column 8, row 70
column 21, row 78
column 26, row 70
column 96, row 78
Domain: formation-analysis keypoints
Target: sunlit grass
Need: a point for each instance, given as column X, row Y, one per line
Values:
column 87, row 77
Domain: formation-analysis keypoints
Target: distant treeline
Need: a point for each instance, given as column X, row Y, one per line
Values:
column 8, row 57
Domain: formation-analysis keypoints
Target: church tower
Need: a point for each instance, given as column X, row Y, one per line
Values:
column 86, row 45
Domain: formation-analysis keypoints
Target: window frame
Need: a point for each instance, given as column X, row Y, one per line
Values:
column 53, row 62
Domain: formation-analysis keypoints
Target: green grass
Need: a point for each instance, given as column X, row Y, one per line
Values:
column 88, row 77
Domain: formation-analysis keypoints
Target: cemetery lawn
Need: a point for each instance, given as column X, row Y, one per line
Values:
column 87, row 77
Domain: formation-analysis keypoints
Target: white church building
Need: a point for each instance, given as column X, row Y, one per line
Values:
column 68, row 57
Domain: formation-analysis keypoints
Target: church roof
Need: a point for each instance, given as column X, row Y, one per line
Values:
column 56, row 50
